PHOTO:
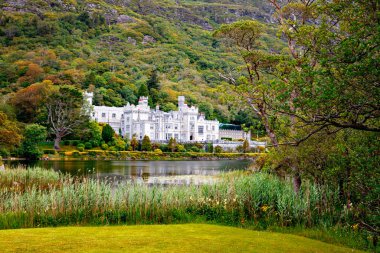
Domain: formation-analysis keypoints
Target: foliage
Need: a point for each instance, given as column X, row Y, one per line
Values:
column 259, row 200
column 172, row 144
column 107, row 133
column 81, row 147
column 218, row 149
column 33, row 134
column 10, row 135
column 66, row 112
column 146, row 144
column 134, row 143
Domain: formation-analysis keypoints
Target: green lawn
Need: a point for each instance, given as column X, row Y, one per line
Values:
column 157, row 238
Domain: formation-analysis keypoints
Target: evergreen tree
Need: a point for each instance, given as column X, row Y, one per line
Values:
column 143, row 90
column 146, row 144
column 107, row 133
column 153, row 82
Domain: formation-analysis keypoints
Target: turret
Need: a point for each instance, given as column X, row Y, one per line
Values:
column 88, row 96
column 181, row 101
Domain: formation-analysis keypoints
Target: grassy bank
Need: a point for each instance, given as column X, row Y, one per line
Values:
column 157, row 238
column 35, row 198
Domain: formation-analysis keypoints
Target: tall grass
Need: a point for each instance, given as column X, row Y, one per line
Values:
column 38, row 197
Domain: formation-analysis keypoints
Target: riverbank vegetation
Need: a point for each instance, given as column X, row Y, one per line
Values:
column 37, row 197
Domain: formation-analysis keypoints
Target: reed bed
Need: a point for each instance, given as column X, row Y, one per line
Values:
column 48, row 198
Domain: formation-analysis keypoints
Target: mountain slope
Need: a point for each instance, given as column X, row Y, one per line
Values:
column 114, row 46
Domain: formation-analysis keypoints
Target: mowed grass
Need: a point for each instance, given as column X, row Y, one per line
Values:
column 157, row 238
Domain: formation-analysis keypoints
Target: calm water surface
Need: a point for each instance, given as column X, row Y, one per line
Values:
column 150, row 172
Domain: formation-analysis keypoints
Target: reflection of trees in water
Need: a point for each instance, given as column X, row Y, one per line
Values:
column 185, row 172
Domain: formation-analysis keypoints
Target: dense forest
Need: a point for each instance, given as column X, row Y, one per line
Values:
column 303, row 73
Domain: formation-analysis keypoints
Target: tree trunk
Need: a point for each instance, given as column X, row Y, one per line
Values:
column 56, row 142
column 268, row 129
column 296, row 180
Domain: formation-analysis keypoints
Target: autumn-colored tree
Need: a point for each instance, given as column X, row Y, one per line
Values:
column 33, row 74
column 172, row 144
column 9, row 132
column 134, row 143
column 245, row 146
column 29, row 102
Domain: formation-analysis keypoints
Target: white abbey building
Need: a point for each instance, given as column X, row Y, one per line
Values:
column 186, row 124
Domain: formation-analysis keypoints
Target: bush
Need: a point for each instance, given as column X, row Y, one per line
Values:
column 66, row 142
column 88, row 145
column 218, row 149
column 75, row 142
column 180, row 148
column 113, row 148
column 80, row 147
column 49, row 151
column 104, row 146
column 95, row 143
column 4, row 153
column 194, row 149
column 158, row 151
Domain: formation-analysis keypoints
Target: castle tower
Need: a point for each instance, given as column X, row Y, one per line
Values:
column 181, row 101
column 88, row 96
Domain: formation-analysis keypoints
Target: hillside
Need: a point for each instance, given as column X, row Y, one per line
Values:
column 115, row 46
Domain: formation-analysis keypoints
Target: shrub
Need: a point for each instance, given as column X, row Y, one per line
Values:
column 95, row 143
column 218, row 149
column 66, row 142
column 158, row 151
column 75, row 142
column 88, row 145
column 104, row 146
column 180, row 148
column 113, row 148
column 4, row 152
column 80, row 147
column 49, row 151
column 194, row 149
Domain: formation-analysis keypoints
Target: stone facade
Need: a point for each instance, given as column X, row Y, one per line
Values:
column 186, row 124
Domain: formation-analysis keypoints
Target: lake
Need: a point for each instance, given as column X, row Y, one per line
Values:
column 149, row 172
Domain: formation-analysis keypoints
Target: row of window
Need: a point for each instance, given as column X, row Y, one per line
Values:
column 113, row 115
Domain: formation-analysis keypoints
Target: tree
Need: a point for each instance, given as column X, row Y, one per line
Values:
column 146, row 144
column 33, row 134
column 134, row 143
column 143, row 90
column 30, row 101
column 253, row 90
column 66, row 112
column 172, row 144
column 153, row 82
column 94, row 133
column 9, row 132
column 245, row 147
column 207, row 109
column 107, row 133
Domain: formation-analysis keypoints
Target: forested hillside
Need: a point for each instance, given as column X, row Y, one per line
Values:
column 114, row 47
